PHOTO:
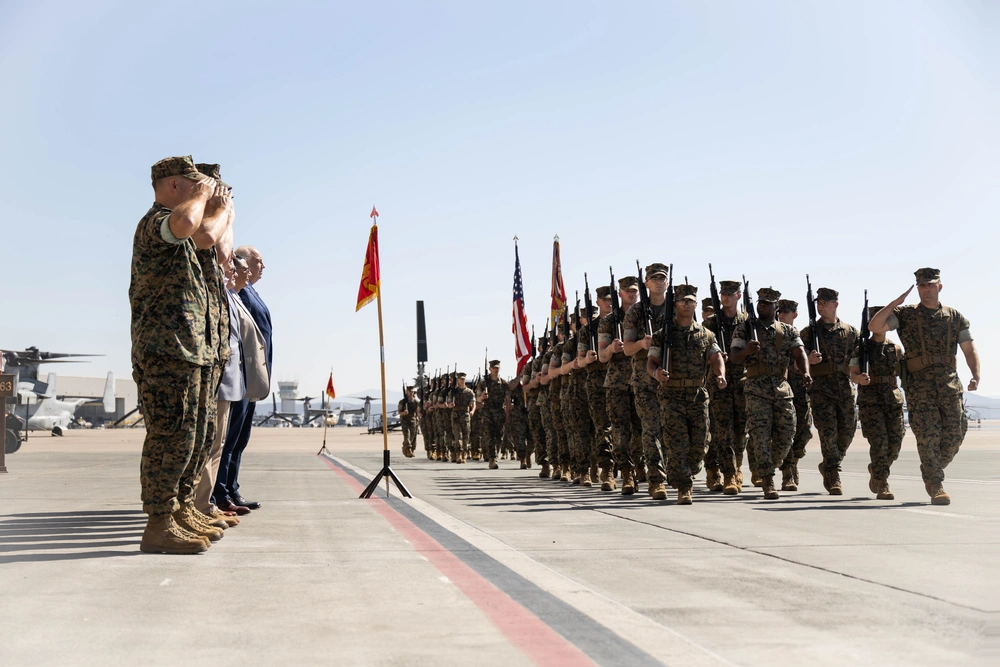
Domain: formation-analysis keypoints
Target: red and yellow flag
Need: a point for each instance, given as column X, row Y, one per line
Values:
column 370, row 274
column 329, row 387
column 558, row 289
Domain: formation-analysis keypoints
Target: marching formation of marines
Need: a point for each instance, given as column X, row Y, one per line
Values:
column 634, row 388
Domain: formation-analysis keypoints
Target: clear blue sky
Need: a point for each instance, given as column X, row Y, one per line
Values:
column 855, row 141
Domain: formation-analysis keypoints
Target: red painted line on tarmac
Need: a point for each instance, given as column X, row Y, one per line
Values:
column 540, row 643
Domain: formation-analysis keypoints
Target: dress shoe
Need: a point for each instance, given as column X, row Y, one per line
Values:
column 228, row 505
column 249, row 504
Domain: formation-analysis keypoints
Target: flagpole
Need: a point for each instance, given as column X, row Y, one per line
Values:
column 326, row 418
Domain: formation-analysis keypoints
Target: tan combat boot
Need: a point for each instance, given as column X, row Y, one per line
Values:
column 607, row 481
column 628, row 482
column 835, row 488
column 767, row 486
column 546, row 471
column 826, row 477
column 186, row 522
column 585, row 479
column 527, row 462
column 524, row 464
column 937, row 494
column 755, row 479
column 788, row 479
column 556, row 473
column 873, row 484
column 208, row 519
column 739, row 477
column 493, row 464
column 640, row 473
column 684, row 496
column 883, row 491
column 163, row 536
column 577, row 477
column 731, row 485
column 657, row 491
column 595, row 472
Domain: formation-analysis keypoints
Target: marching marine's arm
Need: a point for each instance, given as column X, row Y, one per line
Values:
column 879, row 324
column 972, row 359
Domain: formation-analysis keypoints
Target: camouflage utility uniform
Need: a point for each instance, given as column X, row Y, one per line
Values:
column 880, row 404
column 408, row 422
column 625, row 424
column 463, row 400
column 597, row 402
column 493, row 414
column 644, row 390
column 728, row 406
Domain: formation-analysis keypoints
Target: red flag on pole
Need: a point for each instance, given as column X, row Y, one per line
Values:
column 329, row 387
column 519, row 326
column 558, row 289
column 370, row 273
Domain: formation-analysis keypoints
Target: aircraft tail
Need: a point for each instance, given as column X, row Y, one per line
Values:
column 50, row 386
column 109, row 394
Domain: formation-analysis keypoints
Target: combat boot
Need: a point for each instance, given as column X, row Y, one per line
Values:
column 732, row 487
column 524, row 464
column 527, row 462
column 788, row 479
column 826, row 477
column 493, row 464
column 577, row 477
column 684, row 496
column 640, row 473
column 208, row 519
column 186, row 520
column 767, row 486
column 546, row 471
column 755, row 479
column 503, row 456
column 431, row 455
column 795, row 474
column 585, row 479
column 739, row 477
column 937, row 493
column 713, row 480
column 657, row 491
column 461, row 457
column 883, row 491
column 556, row 473
column 163, row 536
column 607, row 481
column 873, row 484
column 835, row 488
column 628, row 482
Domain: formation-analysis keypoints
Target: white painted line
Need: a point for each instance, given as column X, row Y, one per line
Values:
column 951, row 515
column 656, row 639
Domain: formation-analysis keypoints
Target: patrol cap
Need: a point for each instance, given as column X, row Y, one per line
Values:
column 495, row 363
column 212, row 170
column 656, row 269
column 730, row 286
column 628, row 282
column 686, row 292
column 706, row 303
column 788, row 306
column 927, row 275
column 827, row 294
column 460, row 376
column 604, row 291
column 768, row 294
column 872, row 310
column 175, row 166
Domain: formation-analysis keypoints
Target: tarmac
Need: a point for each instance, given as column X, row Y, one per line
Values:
column 495, row 567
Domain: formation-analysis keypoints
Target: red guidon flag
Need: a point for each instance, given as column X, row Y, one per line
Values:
column 329, row 387
column 369, row 274
column 558, row 289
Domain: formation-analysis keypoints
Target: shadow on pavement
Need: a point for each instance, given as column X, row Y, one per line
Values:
column 69, row 535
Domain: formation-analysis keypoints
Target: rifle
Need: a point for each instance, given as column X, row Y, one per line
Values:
column 486, row 363
column 576, row 315
column 717, row 307
column 865, row 335
column 591, row 320
column 811, row 303
column 533, row 350
column 647, row 307
column 565, row 323
column 668, row 319
column 617, row 316
column 751, row 311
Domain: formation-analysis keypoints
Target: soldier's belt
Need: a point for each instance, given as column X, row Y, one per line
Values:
column 828, row 368
column 916, row 364
column 759, row 369
column 684, row 382
column 883, row 379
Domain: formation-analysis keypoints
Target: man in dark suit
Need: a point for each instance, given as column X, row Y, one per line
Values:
column 227, row 489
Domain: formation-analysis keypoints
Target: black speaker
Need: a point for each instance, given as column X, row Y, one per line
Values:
column 421, row 334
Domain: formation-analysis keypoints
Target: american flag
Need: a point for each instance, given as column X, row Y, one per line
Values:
column 519, row 324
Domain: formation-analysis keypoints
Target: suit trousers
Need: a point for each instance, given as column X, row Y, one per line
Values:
column 237, row 436
column 203, row 492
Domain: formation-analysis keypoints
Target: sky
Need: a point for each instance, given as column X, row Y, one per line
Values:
column 853, row 141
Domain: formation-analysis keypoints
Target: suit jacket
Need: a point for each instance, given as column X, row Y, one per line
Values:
column 256, row 372
column 232, row 386
column 261, row 316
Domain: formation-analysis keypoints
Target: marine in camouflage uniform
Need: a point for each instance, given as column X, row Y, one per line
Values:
column 580, row 428
column 626, row 427
column 428, row 421
column 175, row 352
column 728, row 405
column 597, row 396
column 463, row 403
column 832, row 394
column 765, row 351
column 559, row 448
column 880, row 406
column 551, row 465
column 681, row 392
column 535, row 426
column 931, row 334
column 515, row 430
column 407, row 408
column 637, row 343
column 788, row 310
column 477, row 429
column 493, row 412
